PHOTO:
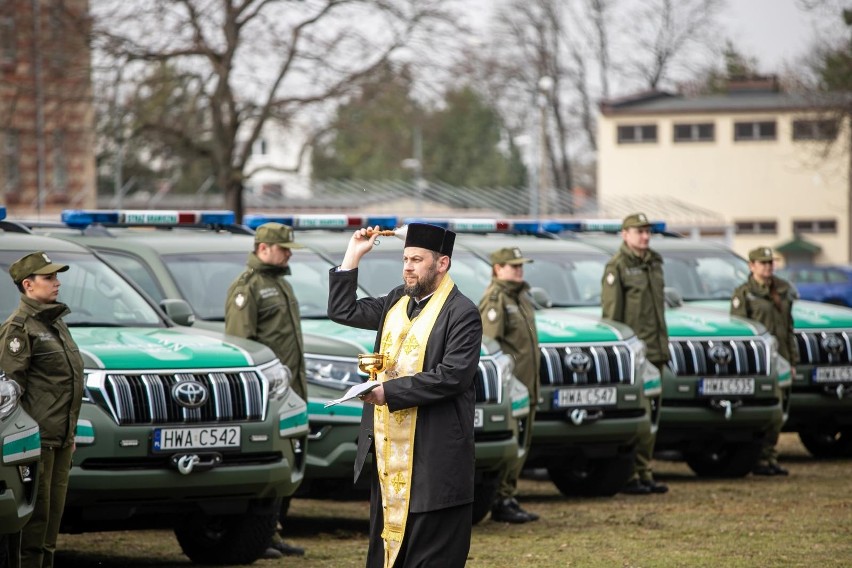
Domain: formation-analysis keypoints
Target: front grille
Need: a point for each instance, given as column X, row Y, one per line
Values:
column 147, row 398
column 824, row 347
column 487, row 382
column 729, row 358
column 588, row 365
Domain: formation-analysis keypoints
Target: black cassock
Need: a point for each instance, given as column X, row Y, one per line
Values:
column 443, row 471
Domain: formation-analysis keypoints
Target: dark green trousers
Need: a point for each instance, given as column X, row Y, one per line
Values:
column 38, row 537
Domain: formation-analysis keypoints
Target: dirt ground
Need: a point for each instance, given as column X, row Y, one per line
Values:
column 801, row 520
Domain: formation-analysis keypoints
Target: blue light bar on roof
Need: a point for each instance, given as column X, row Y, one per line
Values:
column 82, row 218
column 322, row 221
column 2, row 212
column 612, row 226
column 478, row 225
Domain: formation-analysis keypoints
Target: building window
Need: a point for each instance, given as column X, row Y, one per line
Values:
column 60, row 166
column 815, row 129
column 637, row 133
column 8, row 37
column 259, row 147
column 703, row 132
column 765, row 130
column 815, row 226
column 751, row 227
column 11, row 160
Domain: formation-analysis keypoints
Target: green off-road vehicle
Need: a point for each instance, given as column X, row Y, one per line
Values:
column 181, row 428
column 596, row 386
column 197, row 261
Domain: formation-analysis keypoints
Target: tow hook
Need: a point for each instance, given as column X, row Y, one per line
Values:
column 580, row 415
column 726, row 405
column 187, row 463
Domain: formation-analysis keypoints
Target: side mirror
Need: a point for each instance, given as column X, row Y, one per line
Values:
column 541, row 298
column 179, row 311
column 672, row 297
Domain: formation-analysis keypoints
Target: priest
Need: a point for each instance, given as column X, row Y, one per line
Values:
column 418, row 424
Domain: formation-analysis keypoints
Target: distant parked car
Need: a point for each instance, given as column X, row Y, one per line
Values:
column 829, row 284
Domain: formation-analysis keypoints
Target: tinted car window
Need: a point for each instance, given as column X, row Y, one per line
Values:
column 137, row 271
column 704, row 275
column 836, row 277
column 96, row 294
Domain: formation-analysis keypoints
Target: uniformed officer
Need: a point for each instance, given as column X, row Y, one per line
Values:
column 768, row 299
column 262, row 306
column 38, row 352
column 507, row 314
column 632, row 293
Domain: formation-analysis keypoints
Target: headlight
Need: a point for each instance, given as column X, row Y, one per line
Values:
column 637, row 347
column 342, row 372
column 506, row 367
column 10, row 393
column 278, row 376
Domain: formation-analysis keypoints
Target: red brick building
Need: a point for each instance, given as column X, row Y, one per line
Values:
column 46, row 112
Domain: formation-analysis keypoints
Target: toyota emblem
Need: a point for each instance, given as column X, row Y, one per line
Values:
column 578, row 362
column 832, row 344
column 720, row 354
column 190, row 394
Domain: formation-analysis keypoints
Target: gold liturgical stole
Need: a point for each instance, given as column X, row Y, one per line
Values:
column 404, row 343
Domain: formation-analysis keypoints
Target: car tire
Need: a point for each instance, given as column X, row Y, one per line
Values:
column 601, row 477
column 732, row 460
column 227, row 539
column 828, row 442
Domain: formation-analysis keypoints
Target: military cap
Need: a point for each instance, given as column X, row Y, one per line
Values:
column 276, row 234
column 430, row 237
column 508, row 255
column 34, row 263
column 635, row 220
column 761, row 254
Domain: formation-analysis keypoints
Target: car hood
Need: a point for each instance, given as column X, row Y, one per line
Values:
column 577, row 325
column 692, row 321
column 806, row 315
column 163, row 348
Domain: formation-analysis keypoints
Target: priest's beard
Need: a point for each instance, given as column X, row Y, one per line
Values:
column 424, row 285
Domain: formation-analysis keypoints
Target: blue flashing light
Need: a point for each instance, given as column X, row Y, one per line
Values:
column 527, row 227
column 255, row 221
column 444, row 224
column 383, row 221
column 2, row 212
column 80, row 219
column 217, row 218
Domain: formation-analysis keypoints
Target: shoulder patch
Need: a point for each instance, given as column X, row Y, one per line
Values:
column 736, row 302
column 240, row 300
column 491, row 314
column 15, row 345
column 610, row 278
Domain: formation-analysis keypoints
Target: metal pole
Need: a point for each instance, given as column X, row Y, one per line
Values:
column 39, row 102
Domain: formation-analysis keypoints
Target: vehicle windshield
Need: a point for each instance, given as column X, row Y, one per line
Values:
column 95, row 293
column 568, row 282
column 704, row 275
column 204, row 279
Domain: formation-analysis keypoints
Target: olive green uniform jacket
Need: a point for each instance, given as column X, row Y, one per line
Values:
column 632, row 293
column 754, row 301
column 39, row 353
column 262, row 306
column 508, row 316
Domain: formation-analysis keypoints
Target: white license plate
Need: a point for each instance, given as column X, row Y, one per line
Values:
column 833, row 375
column 585, row 396
column 478, row 418
column 736, row 386
column 209, row 437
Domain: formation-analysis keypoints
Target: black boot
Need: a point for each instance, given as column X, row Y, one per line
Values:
column 508, row 511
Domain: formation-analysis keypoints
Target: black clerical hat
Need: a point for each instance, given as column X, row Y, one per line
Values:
column 430, row 237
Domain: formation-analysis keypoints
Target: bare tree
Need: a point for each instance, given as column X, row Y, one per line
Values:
column 257, row 61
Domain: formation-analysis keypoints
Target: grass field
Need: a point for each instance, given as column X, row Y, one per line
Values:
column 801, row 520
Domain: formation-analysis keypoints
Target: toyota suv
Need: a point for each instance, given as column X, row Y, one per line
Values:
column 705, row 274
column 597, row 389
column 179, row 427
column 197, row 261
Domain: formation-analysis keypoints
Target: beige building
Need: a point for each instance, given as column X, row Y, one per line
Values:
column 771, row 165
